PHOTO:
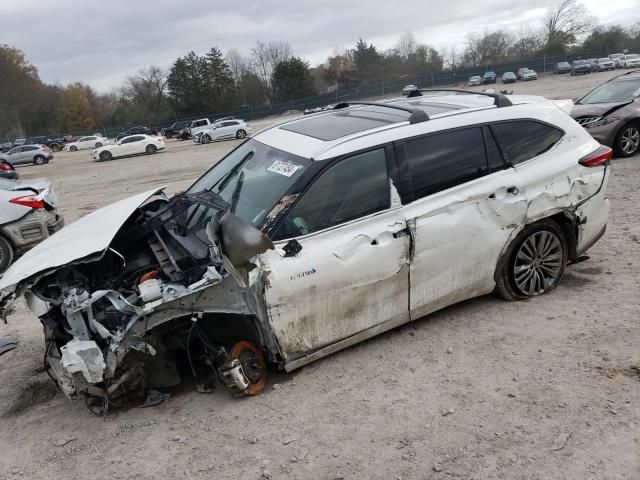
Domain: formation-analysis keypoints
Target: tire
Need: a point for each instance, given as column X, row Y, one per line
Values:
column 6, row 254
column 98, row 145
column 39, row 160
column 151, row 149
column 534, row 262
column 55, row 148
column 205, row 139
column 73, row 148
column 628, row 140
column 241, row 134
column 105, row 156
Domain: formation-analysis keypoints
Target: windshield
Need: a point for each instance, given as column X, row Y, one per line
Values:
column 579, row 62
column 631, row 57
column 252, row 179
column 613, row 92
column 603, row 60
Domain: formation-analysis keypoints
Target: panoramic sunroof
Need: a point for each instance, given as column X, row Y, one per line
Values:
column 341, row 124
column 331, row 127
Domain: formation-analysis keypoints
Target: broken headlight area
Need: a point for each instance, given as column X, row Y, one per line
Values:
column 175, row 293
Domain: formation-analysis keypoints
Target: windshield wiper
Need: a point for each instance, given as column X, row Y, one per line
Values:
column 236, row 193
column 227, row 178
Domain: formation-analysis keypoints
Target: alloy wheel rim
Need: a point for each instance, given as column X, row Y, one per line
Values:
column 538, row 263
column 630, row 140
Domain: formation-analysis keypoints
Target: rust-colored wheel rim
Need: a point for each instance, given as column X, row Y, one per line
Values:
column 253, row 364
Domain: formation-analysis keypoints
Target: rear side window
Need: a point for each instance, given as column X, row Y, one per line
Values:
column 444, row 160
column 523, row 140
column 350, row 189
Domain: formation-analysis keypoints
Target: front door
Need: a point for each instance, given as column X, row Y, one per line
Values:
column 467, row 203
column 351, row 272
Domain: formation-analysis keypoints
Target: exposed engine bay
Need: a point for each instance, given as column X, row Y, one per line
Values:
column 176, row 286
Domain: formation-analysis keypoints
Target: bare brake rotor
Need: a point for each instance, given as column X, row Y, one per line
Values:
column 253, row 365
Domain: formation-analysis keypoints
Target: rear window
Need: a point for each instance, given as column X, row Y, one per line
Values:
column 444, row 160
column 523, row 140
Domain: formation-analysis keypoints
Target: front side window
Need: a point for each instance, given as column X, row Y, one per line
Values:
column 523, row 140
column 444, row 160
column 352, row 188
column 253, row 178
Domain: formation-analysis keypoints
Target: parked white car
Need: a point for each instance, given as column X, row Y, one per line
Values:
column 224, row 130
column 631, row 60
column 616, row 58
column 28, row 215
column 316, row 234
column 85, row 143
column 127, row 146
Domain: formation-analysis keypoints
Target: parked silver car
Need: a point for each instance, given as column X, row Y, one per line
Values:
column 28, row 154
column 28, row 215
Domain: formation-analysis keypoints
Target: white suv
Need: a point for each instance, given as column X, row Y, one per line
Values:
column 316, row 234
column 223, row 130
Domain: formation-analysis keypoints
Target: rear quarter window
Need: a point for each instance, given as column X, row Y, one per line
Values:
column 523, row 140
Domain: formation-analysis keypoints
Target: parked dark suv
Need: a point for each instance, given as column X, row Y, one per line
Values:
column 611, row 113
column 580, row 66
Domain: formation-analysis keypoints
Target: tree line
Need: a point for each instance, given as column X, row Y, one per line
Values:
column 270, row 73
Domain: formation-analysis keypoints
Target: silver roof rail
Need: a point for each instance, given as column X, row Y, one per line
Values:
column 416, row 115
column 499, row 100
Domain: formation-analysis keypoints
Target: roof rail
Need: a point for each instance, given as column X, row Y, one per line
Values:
column 416, row 115
column 499, row 100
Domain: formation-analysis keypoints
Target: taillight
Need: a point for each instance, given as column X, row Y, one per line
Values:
column 601, row 156
column 5, row 166
column 31, row 201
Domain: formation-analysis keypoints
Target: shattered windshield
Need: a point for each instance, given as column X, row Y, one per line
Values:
column 613, row 92
column 252, row 179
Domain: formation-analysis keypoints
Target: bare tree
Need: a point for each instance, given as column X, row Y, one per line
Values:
column 146, row 91
column 565, row 23
column 452, row 57
column 265, row 57
column 407, row 45
column 237, row 64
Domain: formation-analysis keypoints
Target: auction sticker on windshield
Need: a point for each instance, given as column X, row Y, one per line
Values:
column 283, row 168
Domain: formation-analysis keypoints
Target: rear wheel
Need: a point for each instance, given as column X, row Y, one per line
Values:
column 6, row 254
column 628, row 140
column 105, row 156
column 73, row 148
column 39, row 160
column 98, row 145
column 241, row 134
column 151, row 149
column 55, row 148
column 205, row 139
column 534, row 263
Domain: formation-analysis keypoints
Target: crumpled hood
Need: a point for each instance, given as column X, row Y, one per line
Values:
column 595, row 109
column 88, row 236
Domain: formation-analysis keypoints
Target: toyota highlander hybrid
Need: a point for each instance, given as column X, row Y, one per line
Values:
column 316, row 234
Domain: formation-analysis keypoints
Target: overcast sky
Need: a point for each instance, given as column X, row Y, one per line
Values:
column 100, row 43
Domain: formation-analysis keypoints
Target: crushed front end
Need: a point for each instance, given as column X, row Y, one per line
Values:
column 174, row 293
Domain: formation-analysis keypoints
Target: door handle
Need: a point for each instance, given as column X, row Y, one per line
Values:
column 405, row 232
column 512, row 190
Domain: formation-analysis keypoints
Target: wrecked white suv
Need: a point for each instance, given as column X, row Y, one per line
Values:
column 316, row 234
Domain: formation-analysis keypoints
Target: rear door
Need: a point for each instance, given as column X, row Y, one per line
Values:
column 466, row 203
column 350, row 274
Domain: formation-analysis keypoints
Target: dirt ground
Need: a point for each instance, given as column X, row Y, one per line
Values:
column 541, row 389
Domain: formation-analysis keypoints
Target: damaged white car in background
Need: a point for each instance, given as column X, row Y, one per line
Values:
column 318, row 233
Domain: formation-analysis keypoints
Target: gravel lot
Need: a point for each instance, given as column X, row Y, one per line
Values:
column 547, row 388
